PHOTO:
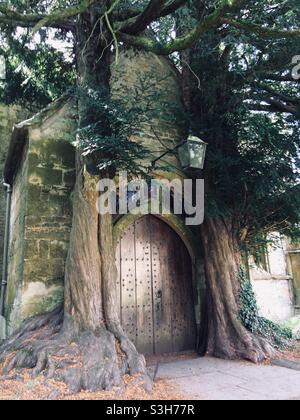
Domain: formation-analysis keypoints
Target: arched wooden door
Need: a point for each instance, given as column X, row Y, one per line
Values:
column 155, row 294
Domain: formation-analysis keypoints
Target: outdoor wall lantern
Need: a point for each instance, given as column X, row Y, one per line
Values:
column 191, row 153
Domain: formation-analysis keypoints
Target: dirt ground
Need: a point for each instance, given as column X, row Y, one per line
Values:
column 20, row 385
column 293, row 354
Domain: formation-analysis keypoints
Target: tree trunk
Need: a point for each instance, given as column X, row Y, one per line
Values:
column 226, row 337
column 86, row 346
column 90, row 298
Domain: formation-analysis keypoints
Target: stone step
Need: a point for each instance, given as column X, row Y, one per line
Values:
column 297, row 311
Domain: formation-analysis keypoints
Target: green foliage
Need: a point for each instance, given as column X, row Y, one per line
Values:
column 39, row 68
column 294, row 325
column 246, row 106
column 106, row 139
column 36, row 78
column 249, row 314
column 115, row 123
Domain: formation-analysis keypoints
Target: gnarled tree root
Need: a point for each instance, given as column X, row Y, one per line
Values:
column 256, row 350
column 235, row 342
column 90, row 360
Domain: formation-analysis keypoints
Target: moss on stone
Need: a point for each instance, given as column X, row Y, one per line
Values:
column 47, row 176
column 31, row 250
column 69, row 178
column 58, row 249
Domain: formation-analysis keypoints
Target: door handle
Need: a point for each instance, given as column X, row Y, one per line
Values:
column 159, row 294
column 158, row 305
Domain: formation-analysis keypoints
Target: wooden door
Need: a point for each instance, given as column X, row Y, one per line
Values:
column 155, row 288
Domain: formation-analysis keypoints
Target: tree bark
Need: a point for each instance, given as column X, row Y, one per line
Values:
column 225, row 336
column 86, row 347
column 90, row 298
column 84, row 344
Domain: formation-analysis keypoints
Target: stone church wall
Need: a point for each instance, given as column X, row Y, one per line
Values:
column 41, row 218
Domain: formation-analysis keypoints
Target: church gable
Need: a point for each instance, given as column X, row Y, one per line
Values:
column 41, row 169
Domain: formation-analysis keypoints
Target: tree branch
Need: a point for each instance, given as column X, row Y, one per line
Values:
column 172, row 7
column 151, row 13
column 9, row 15
column 126, row 16
column 279, row 78
column 181, row 43
column 262, row 31
column 66, row 24
column 280, row 95
column 281, row 106
column 13, row 18
column 275, row 106
column 263, row 108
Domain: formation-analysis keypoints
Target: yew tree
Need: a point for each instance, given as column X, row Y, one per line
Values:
column 243, row 97
column 88, row 328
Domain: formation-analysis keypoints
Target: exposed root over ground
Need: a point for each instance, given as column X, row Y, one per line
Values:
column 86, row 361
column 20, row 386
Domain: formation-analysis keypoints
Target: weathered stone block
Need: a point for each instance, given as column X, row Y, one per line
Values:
column 48, row 232
column 46, row 176
column 44, row 204
column 38, row 298
column 31, row 250
column 2, row 328
column 33, row 159
column 55, row 270
column 58, row 249
column 33, row 194
column 35, row 270
column 69, row 178
column 58, row 152
column 297, row 296
column 44, row 249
